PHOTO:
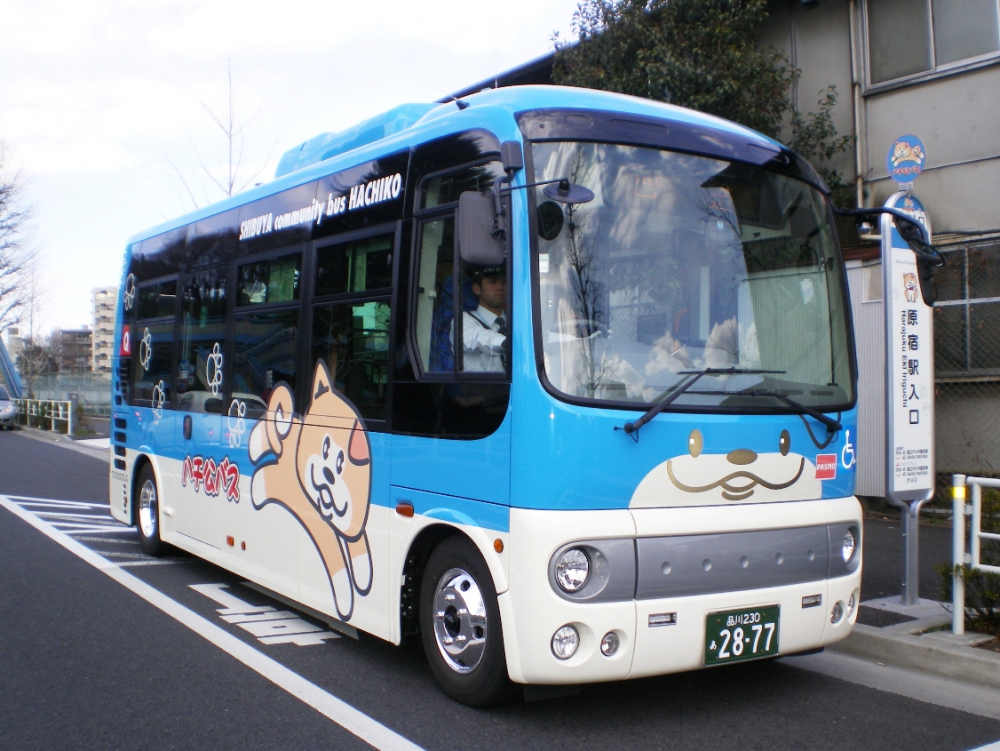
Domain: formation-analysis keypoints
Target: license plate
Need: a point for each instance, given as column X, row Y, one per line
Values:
column 736, row 635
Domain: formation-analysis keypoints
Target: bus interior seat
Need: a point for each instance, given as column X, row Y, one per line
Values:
column 442, row 356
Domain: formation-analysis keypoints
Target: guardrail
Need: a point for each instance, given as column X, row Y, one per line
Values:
column 36, row 412
column 959, row 556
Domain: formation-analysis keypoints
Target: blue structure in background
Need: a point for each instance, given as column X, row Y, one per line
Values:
column 8, row 373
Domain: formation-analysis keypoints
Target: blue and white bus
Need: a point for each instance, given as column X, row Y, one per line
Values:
column 560, row 380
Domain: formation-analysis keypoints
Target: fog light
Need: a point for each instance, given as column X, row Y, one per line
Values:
column 565, row 642
column 850, row 606
column 849, row 544
column 572, row 570
column 837, row 613
column 610, row 644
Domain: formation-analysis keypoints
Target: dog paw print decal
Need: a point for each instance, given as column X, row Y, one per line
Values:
column 700, row 478
column 236, row 422
column 128, row 296
column 146, row 350
column 214, row 371
column 159, row 398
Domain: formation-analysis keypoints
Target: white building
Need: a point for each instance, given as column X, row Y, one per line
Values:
column 103, row 328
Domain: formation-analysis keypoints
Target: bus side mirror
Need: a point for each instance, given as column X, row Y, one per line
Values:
column 928, row 257
column 478, row 242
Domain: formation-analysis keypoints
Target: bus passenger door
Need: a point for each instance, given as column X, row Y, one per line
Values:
column 346, row 421
column 200, row 373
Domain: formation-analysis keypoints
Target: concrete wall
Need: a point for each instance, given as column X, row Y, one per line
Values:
column 956, row 115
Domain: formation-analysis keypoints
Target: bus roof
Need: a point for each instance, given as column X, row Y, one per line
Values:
column 411, row 124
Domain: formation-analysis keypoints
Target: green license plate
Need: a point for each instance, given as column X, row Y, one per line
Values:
column 736, row 635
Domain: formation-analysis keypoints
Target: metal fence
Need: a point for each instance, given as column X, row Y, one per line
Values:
column 967, row 365
column 91, row 390
column 976, row 558
column 57, row 416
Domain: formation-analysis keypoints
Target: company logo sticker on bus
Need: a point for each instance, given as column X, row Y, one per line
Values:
column 126, row 346
column 826, row 466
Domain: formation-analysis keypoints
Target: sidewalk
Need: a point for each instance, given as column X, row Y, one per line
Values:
column 911, row 637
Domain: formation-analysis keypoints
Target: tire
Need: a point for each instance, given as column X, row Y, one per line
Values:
column 456, row 579
column 147, row 513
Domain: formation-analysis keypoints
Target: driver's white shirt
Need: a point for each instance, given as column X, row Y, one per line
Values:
column 483, row 346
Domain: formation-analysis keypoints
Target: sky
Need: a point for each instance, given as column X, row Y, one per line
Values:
column 105, row 104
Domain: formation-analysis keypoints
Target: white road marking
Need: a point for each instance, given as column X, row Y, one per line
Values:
column 32, row 501
column 269, row 625
column 104, row 531
column 989, row 747
column 364, row 727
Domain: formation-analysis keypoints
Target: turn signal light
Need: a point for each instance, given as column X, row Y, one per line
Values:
column 404, row 509
column 230, row 541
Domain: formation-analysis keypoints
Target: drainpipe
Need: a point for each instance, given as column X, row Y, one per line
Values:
column 856, row 47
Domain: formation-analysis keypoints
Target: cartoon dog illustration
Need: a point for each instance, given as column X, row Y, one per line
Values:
column 319, row 469
column 905, row 152
column 910, row 287
column 697, row 479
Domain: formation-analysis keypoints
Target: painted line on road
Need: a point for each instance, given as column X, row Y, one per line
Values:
column 369, row 730
column 33, row 501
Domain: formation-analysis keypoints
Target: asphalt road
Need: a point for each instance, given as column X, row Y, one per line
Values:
column 89, row 663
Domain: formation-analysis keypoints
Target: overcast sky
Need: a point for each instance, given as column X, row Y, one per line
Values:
column 101, row 100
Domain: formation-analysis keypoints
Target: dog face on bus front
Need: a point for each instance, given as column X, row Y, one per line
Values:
column 741, row 474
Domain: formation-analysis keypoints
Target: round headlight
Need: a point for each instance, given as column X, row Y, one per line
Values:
column 837, row 613
column 565, row 642
column 572, row 570
column 849, row 544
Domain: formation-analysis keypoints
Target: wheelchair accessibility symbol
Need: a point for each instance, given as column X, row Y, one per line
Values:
column 847, row 453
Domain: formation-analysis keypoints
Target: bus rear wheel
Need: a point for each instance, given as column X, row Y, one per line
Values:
column 460, row 625
column 148, row 513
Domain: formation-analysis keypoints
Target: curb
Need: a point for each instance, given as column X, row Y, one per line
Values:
column 935, row 653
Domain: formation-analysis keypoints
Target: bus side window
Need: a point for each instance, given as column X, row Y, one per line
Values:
column 435, row 295
column 201, row 343
column 266, row 338
column 353, row 340
column 152, row 345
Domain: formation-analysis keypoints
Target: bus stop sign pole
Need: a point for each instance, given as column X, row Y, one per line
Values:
column 909, row 383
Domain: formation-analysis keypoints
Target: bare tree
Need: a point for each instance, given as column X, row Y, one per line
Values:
column 15, row 253
column 233, row 127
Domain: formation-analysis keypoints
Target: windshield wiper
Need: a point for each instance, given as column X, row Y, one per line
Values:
column 668, row 398
column 831, row 425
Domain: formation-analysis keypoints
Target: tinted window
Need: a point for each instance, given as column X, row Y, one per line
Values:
column 443, row 189
column 354, row 266
column 200, row 366
column 153, row 344
column 158, row 300
column 353, row 341
column 271, row 281
column 264, row 352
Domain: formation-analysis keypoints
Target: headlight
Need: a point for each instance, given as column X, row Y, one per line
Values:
column 572, row 570
column 849, row 544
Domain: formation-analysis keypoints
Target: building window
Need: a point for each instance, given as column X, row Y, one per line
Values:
column 910, row 37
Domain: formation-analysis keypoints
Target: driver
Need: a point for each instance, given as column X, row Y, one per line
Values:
column 484, row 330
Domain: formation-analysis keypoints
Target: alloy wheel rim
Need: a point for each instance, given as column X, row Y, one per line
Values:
column 148, row 509
column 460, row 623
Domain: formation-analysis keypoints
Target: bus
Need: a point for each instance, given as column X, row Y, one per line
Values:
column 558, row 382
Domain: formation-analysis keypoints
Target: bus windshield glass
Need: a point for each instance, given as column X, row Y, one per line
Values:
column 683, row 263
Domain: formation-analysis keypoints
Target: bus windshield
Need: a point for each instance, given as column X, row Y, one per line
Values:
column 683, row 263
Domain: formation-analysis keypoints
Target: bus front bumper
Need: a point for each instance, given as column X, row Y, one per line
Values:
column 658, row 632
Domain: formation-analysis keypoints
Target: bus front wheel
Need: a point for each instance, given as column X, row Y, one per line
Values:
column 148, row 513
column 460, row 625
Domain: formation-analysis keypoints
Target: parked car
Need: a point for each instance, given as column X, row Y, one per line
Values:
column 7, row 411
